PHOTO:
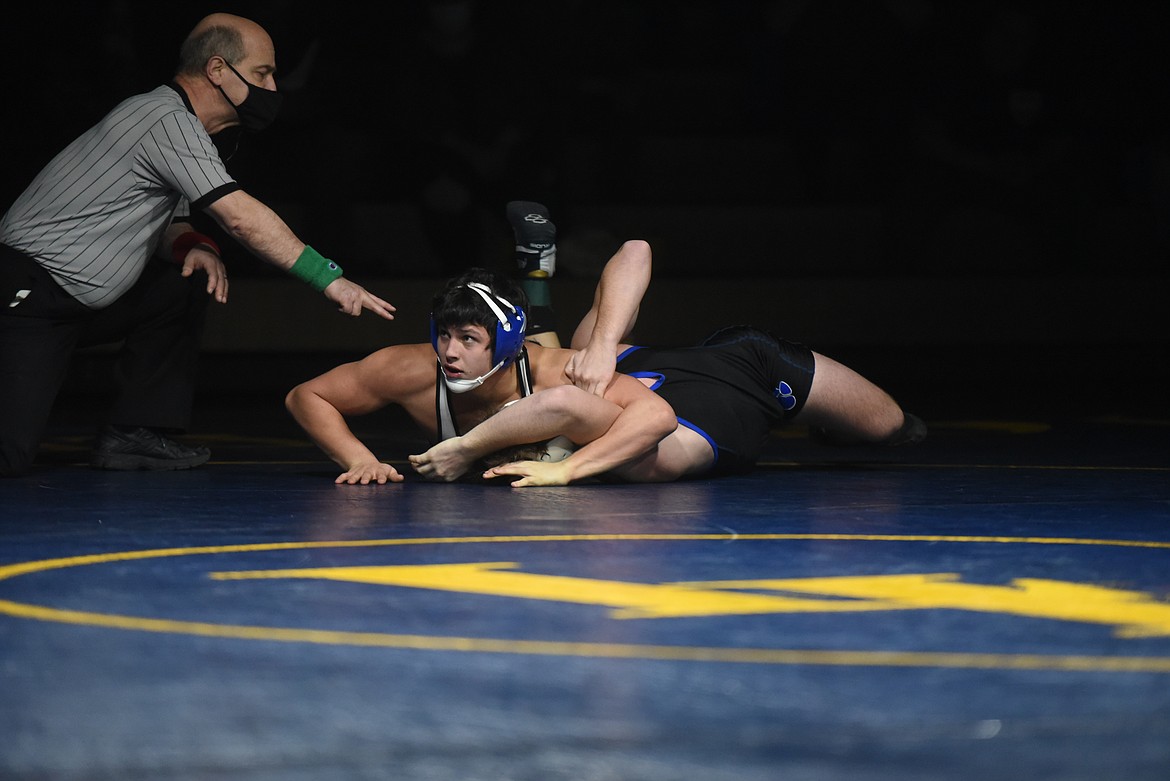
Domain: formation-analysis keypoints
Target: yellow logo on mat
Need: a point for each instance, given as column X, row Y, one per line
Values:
column 1133, row 613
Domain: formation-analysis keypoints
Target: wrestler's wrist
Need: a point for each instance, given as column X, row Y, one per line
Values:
column 314, row 269
column 469, row 446
column 569, row 470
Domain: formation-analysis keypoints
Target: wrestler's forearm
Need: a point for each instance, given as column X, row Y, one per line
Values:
column 542, row 416
column 635, row 432
column 616, row 300
column 507, row 428
column 327, row 428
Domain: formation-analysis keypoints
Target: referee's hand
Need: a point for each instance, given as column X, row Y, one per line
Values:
column 352, row 298
column 205, row 260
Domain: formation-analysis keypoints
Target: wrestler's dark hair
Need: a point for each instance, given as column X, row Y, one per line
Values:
column 456, row 304
column 533, row 451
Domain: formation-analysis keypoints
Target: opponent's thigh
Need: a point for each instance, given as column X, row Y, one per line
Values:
column 842, row 400
column 682, row 453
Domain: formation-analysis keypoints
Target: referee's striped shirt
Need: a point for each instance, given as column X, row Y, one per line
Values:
column 95, row 214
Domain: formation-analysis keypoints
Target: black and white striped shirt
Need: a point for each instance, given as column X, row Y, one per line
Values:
column 95, row 214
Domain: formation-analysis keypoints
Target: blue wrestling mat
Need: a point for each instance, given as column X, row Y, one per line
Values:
column 989, row 605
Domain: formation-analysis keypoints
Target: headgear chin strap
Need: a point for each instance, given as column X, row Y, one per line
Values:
column 462, row 386
column 509, row 339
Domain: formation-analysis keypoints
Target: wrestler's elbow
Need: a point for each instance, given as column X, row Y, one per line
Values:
column 294, row 399
column 561, row 400
column 639, row 248
column 300, row 400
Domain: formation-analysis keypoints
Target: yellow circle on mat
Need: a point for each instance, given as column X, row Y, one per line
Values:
column 1071, row 663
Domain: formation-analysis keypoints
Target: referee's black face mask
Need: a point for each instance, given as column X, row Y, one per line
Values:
column 259, row 109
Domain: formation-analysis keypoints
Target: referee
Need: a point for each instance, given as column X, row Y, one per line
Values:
column 100, row 248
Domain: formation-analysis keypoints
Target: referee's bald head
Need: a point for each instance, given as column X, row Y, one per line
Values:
column 226, row 35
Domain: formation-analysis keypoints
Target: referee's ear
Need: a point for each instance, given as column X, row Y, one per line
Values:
column 214, row 69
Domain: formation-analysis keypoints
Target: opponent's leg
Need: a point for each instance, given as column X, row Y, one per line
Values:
column 845, row 408
column 682, row 453
column 536, row 263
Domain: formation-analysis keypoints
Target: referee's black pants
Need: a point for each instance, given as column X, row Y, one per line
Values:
column 159, row 323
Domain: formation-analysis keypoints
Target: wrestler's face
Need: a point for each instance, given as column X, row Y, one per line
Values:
column 465, row 352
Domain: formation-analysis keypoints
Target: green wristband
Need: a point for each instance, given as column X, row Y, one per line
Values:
column 314, row 269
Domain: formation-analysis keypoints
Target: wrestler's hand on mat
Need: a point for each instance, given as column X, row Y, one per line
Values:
column 532, row 473
column 352, row 298
column 202, row 259
column 445, row 461
column 370, row 472
column 592, row 369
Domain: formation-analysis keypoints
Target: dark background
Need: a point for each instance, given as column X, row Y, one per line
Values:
column 911, row 151
column 853, row 136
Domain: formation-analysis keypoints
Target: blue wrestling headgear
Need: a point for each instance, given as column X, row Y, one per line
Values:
column 511, row 324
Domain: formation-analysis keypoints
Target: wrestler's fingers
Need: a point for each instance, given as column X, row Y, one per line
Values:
column 513, row 469
column 366, row 475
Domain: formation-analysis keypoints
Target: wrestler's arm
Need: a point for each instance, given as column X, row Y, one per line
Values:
column 320, row 406
column 616, row 301
column 562, row 410
column 645, row 420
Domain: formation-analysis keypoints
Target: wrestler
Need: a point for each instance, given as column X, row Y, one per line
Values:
column 723, row 395
column 477, row 361
column 728, row 393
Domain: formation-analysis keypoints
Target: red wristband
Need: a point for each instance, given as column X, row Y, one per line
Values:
column 189, row 241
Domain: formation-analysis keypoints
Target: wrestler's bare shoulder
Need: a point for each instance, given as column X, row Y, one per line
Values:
column 404, row 365
column 548, row 365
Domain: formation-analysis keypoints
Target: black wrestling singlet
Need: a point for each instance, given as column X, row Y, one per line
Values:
column 732, row 388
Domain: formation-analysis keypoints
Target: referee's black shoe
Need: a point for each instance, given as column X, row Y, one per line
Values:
column 137, row 447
